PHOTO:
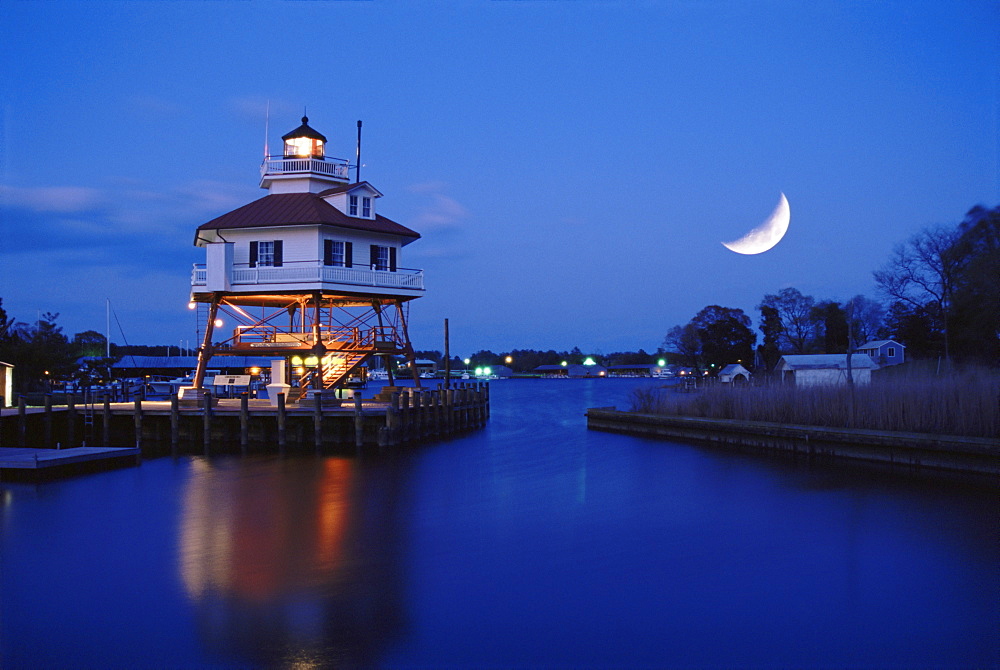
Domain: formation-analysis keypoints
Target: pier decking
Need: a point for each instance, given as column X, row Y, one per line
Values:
column 396, row 416
column 23, row 462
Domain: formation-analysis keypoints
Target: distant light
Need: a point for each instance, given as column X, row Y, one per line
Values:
column 479, row 371
column 563, row 363
column 467, row 361
column 487, row 371
column 218, row 323
column 508, row 360
column 661, row 362
column 589, row 361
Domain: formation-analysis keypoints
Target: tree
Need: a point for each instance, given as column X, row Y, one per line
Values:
column 916, row 327
column 795, row 312
column 726, row 336
column 866, row 316
column 831, row 328
column 685, row 341
column 975, row 315
column 90, row 343
column 770, row 325
column 922, row 272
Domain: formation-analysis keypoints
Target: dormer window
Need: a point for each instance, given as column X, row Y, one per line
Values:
column 366, row 207
column 352, row 205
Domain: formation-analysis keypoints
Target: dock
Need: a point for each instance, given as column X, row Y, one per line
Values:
column 28, row 463
column 395, row 417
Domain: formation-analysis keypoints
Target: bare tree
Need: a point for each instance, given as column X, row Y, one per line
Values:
column 922, row 271
column 795, row 311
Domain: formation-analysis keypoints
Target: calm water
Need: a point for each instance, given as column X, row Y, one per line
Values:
column 532, row 543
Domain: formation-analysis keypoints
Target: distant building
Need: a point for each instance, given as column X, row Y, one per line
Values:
column 637, row 370
column 425, row 366
column 6, row 384
column 884, row 352
column 734, row 373
column 587, row 371
column 825, row 369
column 551, row 371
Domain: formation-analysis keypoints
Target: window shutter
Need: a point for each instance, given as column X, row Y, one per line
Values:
column 348, row 254
column 253, row 254
column 392, row 259
column 373, row 262
column 327, row 252
column 277, row 253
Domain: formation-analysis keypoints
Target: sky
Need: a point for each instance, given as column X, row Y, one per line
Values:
column 572, row 166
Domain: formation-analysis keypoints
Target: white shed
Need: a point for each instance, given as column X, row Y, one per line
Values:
column 734, row 373
column 825, row 369
column 6, row 384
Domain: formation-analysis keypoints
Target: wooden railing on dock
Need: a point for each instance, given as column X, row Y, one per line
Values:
column 398, row 416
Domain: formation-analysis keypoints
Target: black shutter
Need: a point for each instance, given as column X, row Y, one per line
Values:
column 392, row 259
column 277, row 253
column 373, row 263
column 327, row 252
column 253, row 254
column 348, row 254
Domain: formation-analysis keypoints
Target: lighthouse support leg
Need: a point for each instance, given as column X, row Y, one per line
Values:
column 407, row 347
column 205, row 352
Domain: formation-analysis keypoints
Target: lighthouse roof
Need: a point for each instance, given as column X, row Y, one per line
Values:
column 304, row 131
column 297, row 209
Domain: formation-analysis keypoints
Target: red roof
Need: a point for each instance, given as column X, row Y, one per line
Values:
column 296, row 209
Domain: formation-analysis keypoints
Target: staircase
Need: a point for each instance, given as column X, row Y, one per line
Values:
column 342, row 362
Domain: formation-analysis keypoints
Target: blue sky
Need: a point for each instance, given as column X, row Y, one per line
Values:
column 572, row 166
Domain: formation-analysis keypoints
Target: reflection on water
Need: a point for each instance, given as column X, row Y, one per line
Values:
column 285, row 561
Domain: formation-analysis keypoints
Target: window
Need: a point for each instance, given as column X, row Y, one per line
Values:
column 337, row 253
column 352, row 208
column 891, row 352
column 366, row 207
column 383, row 258
column 266, row 253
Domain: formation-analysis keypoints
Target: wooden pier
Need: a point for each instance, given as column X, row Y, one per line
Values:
column 26, row 463
column 396, row 416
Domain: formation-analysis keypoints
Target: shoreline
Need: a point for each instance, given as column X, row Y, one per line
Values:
column 973, row 455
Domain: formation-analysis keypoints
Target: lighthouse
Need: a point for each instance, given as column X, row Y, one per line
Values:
column 311, row 275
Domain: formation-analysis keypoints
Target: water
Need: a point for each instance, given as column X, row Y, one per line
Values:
column 531, row 543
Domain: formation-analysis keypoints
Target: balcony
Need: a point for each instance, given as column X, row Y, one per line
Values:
column 293, row 276
column 331, row 167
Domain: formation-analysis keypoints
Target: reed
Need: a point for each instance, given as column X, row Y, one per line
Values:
column 963, row 403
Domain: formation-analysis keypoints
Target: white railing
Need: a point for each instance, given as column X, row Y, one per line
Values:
column 334, row 167
column 316, row 274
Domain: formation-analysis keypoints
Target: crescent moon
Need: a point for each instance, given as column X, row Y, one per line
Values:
column 767, row 234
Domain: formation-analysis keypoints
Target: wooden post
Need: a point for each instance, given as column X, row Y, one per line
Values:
column 22, row 421
column 318, row 418
column 48, row 420
column 70, row 420
column 206, row 417
column 392, row 418
column 359, row 421
column 282, row 418
column 175, row 423
column 137, row 420
column 418, row 415
column 244, row 421
column 106, row 424
column 404, row 416
column 447, row 357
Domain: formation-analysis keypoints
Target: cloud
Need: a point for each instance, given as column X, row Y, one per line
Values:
column 438, row 211
column 58, row 199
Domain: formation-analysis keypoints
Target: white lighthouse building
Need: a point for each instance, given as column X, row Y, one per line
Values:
column 311, row 272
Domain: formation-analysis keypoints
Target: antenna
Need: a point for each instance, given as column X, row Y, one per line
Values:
column 357, row 173
column 267, row 121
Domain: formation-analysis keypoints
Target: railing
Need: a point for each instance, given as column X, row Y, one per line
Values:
column 344, row 338
column 313, row 273
column 334, row 167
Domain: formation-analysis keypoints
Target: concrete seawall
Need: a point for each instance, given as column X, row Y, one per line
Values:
column 915, row 450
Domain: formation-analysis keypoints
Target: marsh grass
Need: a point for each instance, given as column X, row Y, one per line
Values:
column 964, row 403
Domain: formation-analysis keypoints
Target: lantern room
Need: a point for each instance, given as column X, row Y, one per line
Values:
column 304, row 142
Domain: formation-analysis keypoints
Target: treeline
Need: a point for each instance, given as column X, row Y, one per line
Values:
column 941, row 291
column 526, row 360
column 41, row 353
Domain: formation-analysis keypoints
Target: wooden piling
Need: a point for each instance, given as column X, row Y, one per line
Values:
column 22, row 421
column 70, row 421
column 318, row 420
column 175, row 423
column 137, row 420
column 392, row 418
column 405, row 416
column 282, row 420
column 48, row 420
column 206, row 417
column 106, row 421
column 359, row 421
column 244, row 421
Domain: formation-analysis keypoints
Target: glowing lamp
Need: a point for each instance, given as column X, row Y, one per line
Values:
column 311, row 361
column 589, row 361
column 304, row 142
column 255, row 371
column 296, row 360
column 218, row 323
column 661, row 362
column 192, row 305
